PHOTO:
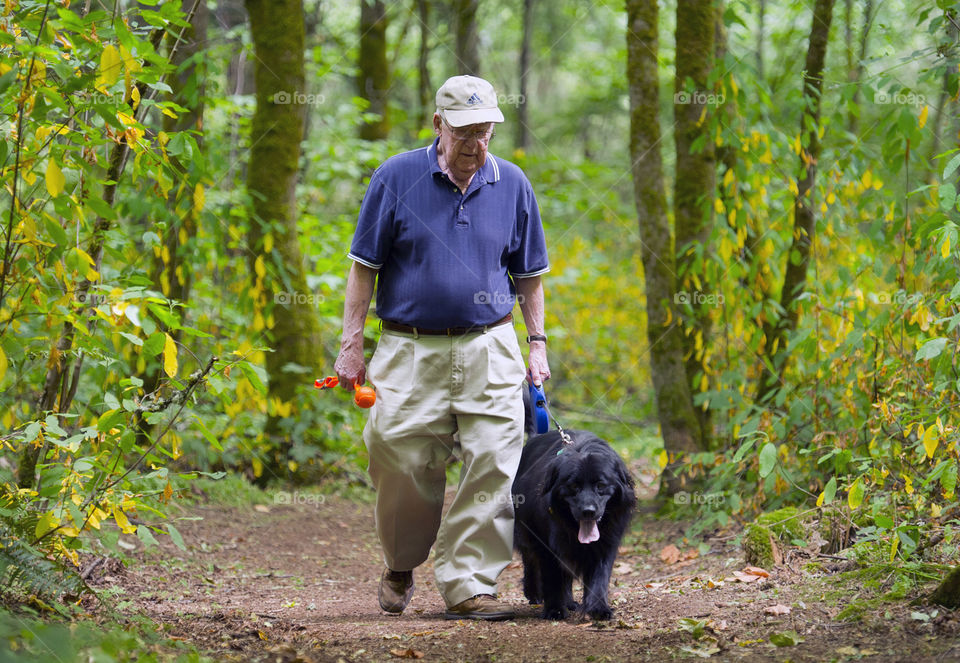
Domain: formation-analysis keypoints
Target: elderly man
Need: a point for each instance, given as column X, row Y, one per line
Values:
column 451, row 236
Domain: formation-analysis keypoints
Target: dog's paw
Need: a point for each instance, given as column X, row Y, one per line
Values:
column 573, row 606
column 555, row 613
column 600, row 613
column 534, row 600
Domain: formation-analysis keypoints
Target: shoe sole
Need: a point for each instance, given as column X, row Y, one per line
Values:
column 487, row 617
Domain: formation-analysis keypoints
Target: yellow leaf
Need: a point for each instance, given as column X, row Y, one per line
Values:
column 199, row 198
column 259, row 267
column 3, row 364
column 867, row 179
column 122, row 522
column 945, row 248
column 935, row 510
column 894, row 543
column 170, row 357
column 135, row 96
column 930, row 441
column 922, row 120
column 662, row 459
column 820, row 499
column 110, row 66
column 55, row 179
column 268, row 243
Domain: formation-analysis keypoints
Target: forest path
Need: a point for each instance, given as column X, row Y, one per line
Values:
column 298, row 582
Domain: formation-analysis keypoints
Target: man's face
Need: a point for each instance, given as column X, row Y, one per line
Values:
column 463, row 148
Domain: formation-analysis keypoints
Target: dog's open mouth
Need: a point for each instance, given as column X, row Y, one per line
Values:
column 588, row 531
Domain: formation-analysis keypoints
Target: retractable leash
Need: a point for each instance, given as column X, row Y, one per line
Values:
column 363, row 396
column 542, row 415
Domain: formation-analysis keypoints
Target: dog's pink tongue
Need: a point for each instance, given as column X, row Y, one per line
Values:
column 588, row 531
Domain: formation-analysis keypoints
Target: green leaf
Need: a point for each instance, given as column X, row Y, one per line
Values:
column 855, row 494
column 948, row 195
column 830, row 490
column 146, row 536
column 154, row 344
column 948, row 480
column 785, row 639
column 175, row 536
column 931, row 349
column 768, row 459
column 110, row 419
column 255, row 375
column 951, row 167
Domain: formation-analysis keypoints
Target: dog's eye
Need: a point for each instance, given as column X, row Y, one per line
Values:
column 601, row 486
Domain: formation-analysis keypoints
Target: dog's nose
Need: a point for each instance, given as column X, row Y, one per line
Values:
column 589, row 512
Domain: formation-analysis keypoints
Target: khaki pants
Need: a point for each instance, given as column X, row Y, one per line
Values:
column 428, row 388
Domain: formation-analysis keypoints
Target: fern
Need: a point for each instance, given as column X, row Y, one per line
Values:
column 26, row 570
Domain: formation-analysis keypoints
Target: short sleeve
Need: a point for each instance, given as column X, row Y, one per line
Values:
column 374, row 235
column 530, row 257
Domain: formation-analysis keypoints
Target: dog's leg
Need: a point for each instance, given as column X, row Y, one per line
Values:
column 556, row 583
column 531, row 575
column 596, row 583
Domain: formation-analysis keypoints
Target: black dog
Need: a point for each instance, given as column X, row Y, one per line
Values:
column 573, row 505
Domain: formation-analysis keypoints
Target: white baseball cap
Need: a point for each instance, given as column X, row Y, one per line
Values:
column 464, row 100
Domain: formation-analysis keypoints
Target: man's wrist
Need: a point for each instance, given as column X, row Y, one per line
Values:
column 532, row 338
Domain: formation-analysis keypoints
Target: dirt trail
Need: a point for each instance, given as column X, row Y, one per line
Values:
column 298, row 582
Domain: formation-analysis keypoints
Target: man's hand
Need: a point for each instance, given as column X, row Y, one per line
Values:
column 537, row 368
column 350, row 367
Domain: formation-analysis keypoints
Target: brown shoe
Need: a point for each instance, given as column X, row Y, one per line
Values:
column 481, row 606
column 396, row 589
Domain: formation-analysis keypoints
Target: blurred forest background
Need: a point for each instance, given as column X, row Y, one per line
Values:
column 751, row 209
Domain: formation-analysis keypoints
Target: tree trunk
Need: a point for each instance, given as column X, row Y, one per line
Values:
column 278, row 277
column 775, row 330
column 467, row 44
column 694, row 183
column 523, row 133
column 678, row 422
column 424, row 87
column 373, row 81
column 761, row 18
column 857, row 73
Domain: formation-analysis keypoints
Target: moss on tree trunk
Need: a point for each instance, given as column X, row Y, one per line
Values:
column 694, row 183
column 679, row 425
column 776, row 329
column 373, row 79
column 278, row 37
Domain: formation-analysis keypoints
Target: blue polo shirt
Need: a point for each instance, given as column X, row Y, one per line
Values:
column 446, row 259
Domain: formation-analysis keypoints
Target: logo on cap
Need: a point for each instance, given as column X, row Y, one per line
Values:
column 473, row 100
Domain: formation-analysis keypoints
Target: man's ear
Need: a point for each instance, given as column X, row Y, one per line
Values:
column 550, row 482
column 436, row 123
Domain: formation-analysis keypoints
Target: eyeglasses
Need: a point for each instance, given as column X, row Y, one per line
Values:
column 484, row 136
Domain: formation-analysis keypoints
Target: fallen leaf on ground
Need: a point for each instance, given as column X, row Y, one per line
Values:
column 777, row 610
column 622, row 568
column 739, row 576
column 670, row 554
column 756, row 571
column 406, row 653
column 785, row 639
column 261, row 508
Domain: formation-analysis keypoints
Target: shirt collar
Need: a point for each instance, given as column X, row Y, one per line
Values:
column 489, row 172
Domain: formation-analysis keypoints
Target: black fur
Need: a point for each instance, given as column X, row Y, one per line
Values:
column 552, row 493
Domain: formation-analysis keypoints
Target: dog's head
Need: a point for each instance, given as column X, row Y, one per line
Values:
column 585, row 481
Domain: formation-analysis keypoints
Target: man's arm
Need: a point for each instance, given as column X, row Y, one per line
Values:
column 530, row 296
column 350, row 366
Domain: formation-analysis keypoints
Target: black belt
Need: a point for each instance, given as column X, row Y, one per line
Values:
column 449, row 331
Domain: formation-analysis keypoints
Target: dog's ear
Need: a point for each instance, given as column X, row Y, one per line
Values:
column 551, row 477
column 625, row 484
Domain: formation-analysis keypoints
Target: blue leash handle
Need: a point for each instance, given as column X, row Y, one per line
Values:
column 538, row 401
